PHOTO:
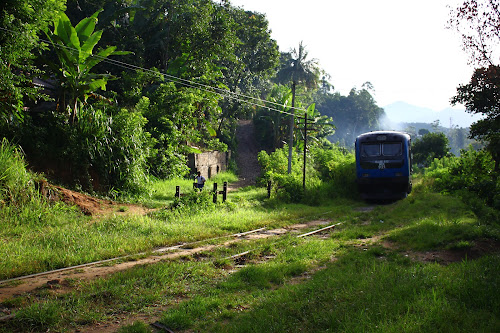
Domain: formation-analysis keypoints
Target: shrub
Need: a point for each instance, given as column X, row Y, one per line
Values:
column 471, row 173
column 105, row 149
column 16, row 184
column 330, row 172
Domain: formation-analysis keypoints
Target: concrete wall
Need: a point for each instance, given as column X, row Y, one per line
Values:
column 209, row 163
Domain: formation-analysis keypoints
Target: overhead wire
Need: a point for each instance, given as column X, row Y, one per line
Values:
column 225, row 93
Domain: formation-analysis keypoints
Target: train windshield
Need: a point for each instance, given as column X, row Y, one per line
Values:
column 381, row 149
column 370, row 150
column 391, row 149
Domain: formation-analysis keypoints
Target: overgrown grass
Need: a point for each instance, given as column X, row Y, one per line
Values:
column 363, row 292
column 338, row 283
column 311, row 284
column 56, row 236
column 162, row 192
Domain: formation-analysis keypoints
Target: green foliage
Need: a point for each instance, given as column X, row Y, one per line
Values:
column 473, row 177
column 194, row 201
column 330, row 173
column 16, row 183
column 337, row 167
column 428, row 147
column 296, row 69
column 353, row 114
column 22, row 21
column 74, row 48
column 177, row 119
column 137, row 327
column 39, row 317
column 107, row 149
column 272, row 127
column 480, row 96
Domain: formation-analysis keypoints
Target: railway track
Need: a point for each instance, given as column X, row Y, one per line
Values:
column 28, row 283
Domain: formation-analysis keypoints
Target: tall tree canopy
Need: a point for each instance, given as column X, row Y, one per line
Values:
column 352, row 114
column 20, row 24
column 478, row 21
column 482, row 96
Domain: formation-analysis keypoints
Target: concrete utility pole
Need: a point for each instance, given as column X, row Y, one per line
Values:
column 292, row 124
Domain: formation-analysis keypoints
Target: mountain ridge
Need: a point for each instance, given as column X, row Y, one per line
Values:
column 402, row 112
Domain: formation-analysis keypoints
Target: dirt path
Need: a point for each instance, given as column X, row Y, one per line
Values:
column 246, row 155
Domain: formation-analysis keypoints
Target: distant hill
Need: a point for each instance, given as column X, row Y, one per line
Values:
column 401, row 112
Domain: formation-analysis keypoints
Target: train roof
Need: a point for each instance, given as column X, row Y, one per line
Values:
column 389, row 136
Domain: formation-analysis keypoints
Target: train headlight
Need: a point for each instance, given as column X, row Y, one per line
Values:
column 399, row 174
column 365, row 175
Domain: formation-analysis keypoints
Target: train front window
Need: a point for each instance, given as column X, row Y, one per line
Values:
column 370, row 150
column 391, row 149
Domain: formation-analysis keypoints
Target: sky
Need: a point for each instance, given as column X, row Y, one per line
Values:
column 401, row 46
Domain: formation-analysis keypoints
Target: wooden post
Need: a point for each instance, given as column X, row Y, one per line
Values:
column 177, row 191
column 224, row 192
column 215, row 192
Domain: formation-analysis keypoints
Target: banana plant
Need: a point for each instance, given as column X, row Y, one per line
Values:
column 74, row 47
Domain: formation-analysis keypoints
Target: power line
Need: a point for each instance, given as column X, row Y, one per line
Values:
column 224, row 93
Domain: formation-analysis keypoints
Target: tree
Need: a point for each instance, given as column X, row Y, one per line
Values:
column 20, row 23
column 428, row 147
column 255, row 59
column 296, row 69
column 478, row 22
column 482, row 96
column 352, row 114
column 74, row 48
column 423, row 131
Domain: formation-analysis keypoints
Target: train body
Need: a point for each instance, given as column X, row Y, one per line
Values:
column 383, row 165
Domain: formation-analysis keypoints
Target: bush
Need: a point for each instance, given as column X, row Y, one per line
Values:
column 471, row 173
column 16, row 184
column 428, row 147
column 330, row 172
column 105, row 149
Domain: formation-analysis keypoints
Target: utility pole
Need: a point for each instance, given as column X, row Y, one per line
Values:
column 292, row 124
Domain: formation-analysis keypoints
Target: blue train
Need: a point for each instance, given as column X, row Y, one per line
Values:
column 383, row 165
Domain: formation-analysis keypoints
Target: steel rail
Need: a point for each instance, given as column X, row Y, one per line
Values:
column 160, row 250
column 319, row 230
column 299, row 236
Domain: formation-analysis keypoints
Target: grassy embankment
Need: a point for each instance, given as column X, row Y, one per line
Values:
column 346, row 281
column 365, row 275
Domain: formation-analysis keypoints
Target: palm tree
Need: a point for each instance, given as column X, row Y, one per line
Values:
column 296, row 69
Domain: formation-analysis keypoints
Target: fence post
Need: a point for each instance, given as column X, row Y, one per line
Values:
column 224, row 192
column 215, row 192
column 177, row 191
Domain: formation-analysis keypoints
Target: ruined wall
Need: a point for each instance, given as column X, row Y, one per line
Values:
column 209, row 163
